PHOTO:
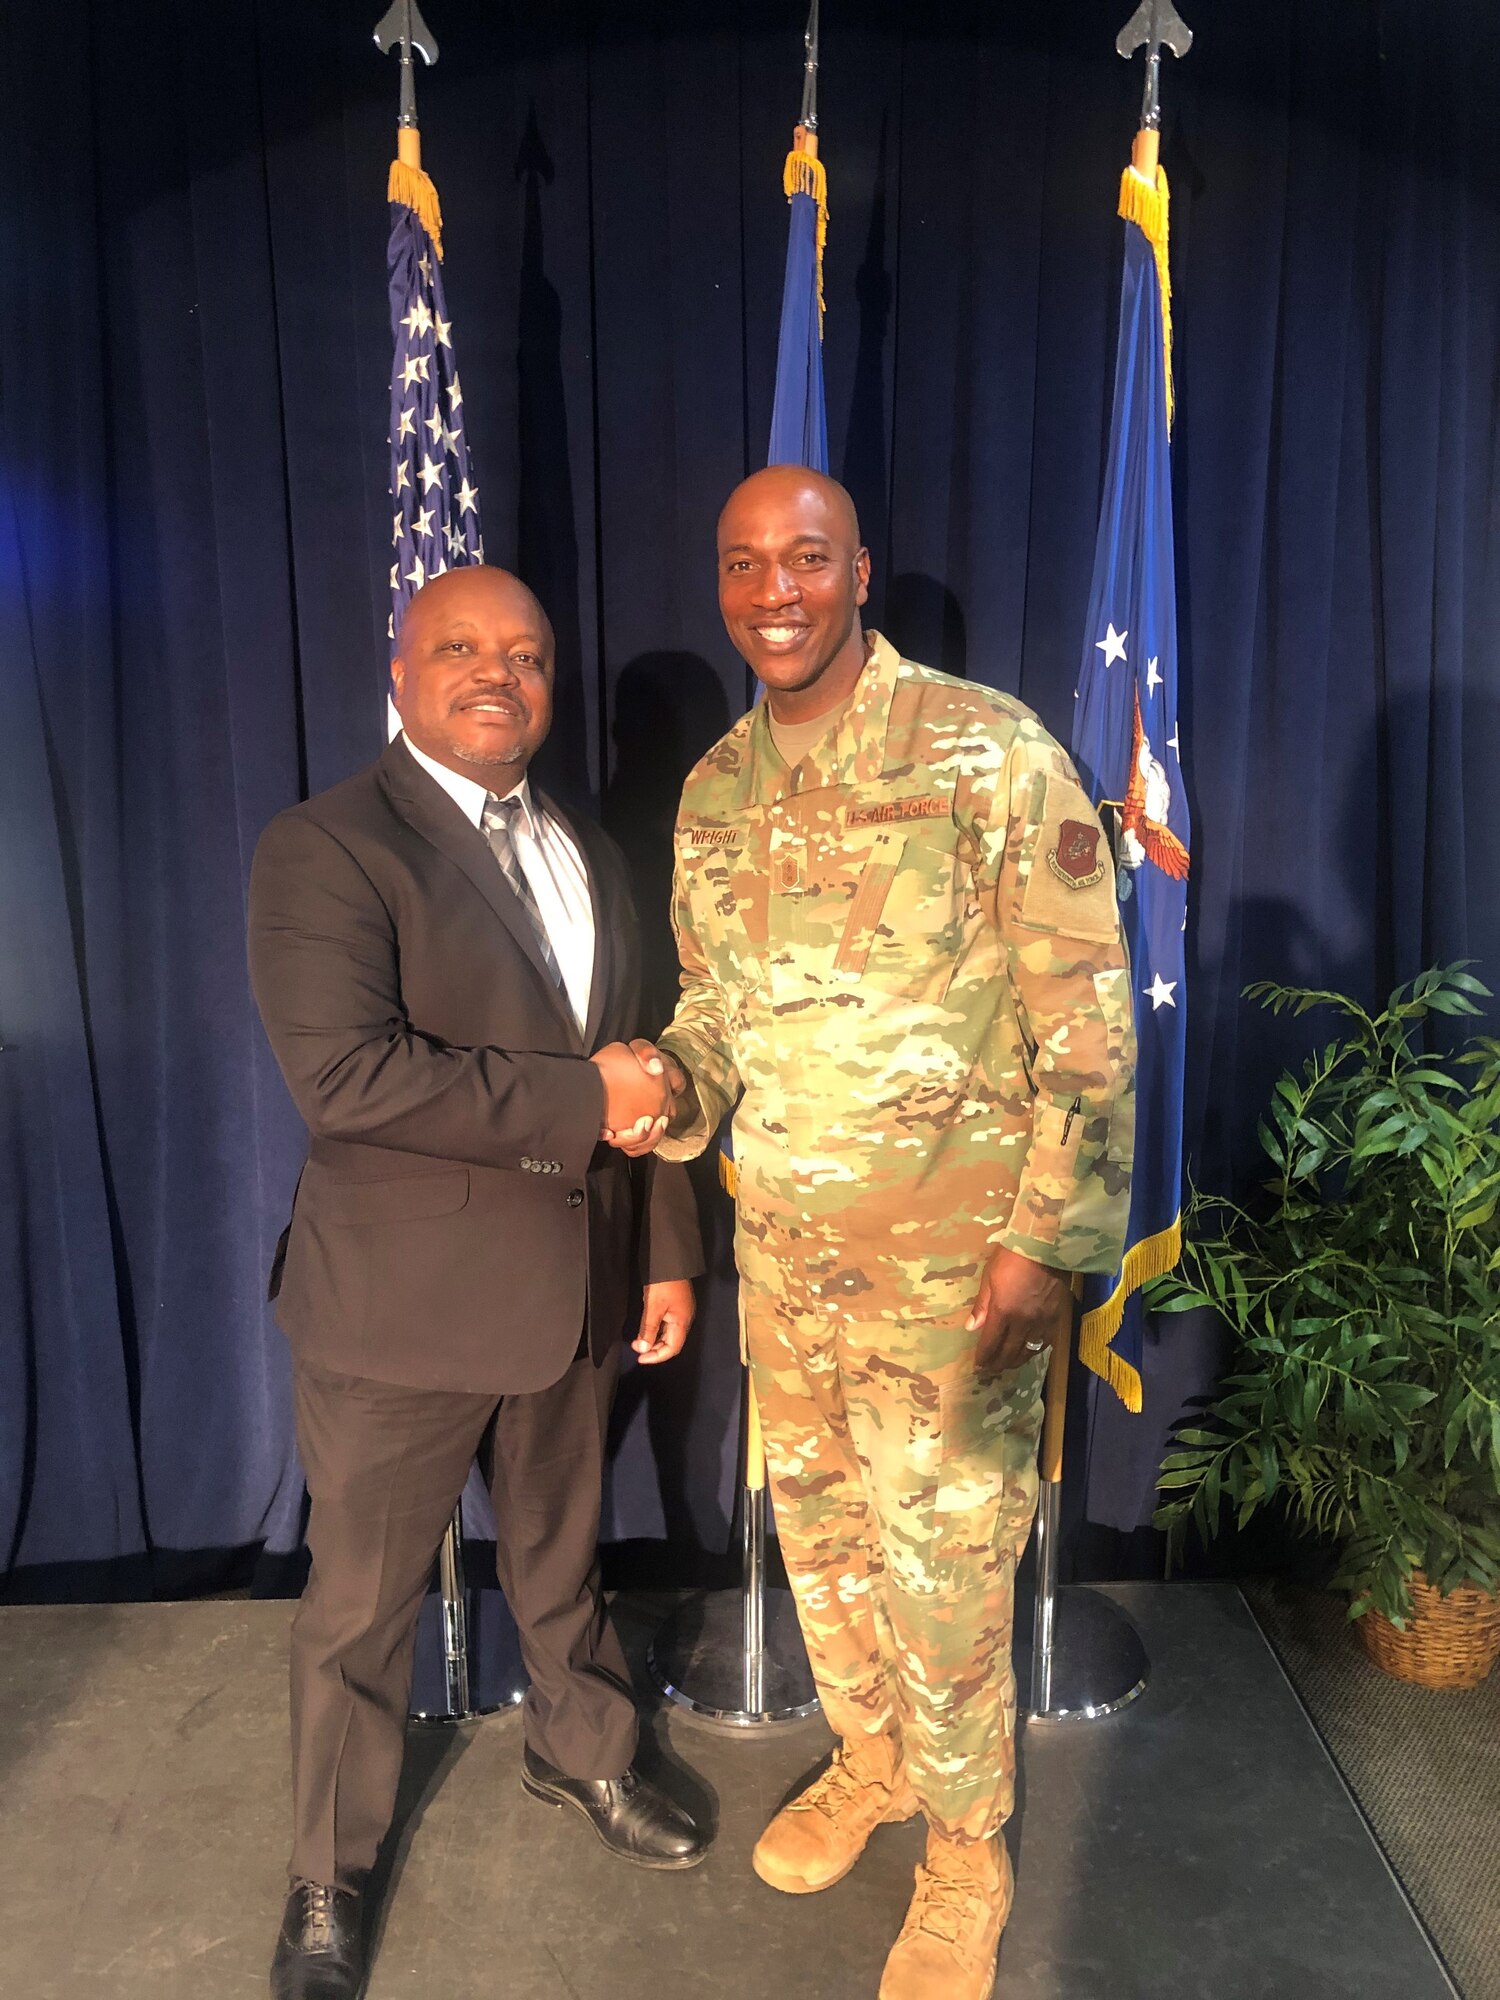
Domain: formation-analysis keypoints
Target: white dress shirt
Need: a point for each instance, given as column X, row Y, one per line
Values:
column 551, row 864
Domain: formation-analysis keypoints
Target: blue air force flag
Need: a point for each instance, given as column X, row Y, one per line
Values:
column 435, row 524
column 799, row 416
column 1126, row 747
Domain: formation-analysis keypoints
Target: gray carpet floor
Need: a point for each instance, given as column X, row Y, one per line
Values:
column 1199, row 1846
column 1425, row 1768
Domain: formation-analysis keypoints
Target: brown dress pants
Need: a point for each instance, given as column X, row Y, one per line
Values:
column 385, row 1467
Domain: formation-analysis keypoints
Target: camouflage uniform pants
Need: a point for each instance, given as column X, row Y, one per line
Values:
column 904, row 1486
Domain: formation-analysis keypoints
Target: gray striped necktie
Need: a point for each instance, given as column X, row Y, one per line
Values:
column 498, row 819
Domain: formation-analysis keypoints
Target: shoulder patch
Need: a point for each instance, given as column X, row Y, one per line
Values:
column 1074, row 858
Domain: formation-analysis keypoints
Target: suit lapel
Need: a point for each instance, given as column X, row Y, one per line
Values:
column 585, row 837
column 427, row 808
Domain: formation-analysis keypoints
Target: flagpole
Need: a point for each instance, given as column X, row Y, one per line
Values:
column 404, row 29
column 738, row 1658
column 1087, row 1660
column 753, row 1490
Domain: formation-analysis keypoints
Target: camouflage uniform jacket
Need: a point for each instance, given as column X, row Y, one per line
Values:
column 906, row 954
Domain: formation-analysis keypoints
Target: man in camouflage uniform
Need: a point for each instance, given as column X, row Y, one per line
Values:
column 899, row 940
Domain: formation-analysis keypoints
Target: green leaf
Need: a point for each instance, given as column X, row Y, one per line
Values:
column 1360, row 1285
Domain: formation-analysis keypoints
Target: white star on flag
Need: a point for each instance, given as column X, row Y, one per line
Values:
column 432, row 482
column 1153, row 678
column 1172, row 744
column 1160, row 992
column 1112, row 645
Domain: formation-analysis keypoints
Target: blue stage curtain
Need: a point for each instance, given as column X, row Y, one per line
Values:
column 193, row 554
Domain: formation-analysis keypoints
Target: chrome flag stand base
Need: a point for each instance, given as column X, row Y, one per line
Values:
column 735, row 1657
column 1087, row 1660
column 455, row 1609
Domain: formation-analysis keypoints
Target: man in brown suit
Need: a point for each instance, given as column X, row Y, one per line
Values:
column 447, row 968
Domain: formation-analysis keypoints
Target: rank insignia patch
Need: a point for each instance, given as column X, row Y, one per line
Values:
column 1076, row 859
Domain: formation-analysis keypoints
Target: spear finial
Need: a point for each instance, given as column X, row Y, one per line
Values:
column 1155, row 25
column 404, row 27
column 809, row 119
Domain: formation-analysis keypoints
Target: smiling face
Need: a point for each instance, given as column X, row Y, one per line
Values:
column 792, row 576
column 472, row 682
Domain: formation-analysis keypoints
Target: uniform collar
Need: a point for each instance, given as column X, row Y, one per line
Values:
column 853, row 754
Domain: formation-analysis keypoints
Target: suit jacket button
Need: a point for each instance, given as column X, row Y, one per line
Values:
column 575, row 1197
column 525, row 1166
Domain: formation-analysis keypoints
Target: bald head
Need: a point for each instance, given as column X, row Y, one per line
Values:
column 470, row 585
column 792, row 576
column 472, row 676
column 798, row 488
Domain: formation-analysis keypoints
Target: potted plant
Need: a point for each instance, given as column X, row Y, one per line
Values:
column 1363, row 1290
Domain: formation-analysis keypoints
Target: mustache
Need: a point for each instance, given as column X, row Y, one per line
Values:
column 489, row 692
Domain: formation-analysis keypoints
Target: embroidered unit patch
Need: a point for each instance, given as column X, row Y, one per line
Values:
column 1076, row 859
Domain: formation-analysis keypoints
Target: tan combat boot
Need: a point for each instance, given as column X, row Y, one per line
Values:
column 816, row 1840
column 947, row 1946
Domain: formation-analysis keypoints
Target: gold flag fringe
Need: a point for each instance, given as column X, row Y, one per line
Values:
column 414, row 190
column 1152, row 1257
column 804, row 174
column 729, row 1178
column 1146, row 207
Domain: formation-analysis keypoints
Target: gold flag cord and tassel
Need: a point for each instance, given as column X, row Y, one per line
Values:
column 1152, row 1257
column 1144, row 201
column 409, row 185
column 804, row 173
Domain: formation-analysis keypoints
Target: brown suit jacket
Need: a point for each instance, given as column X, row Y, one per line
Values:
column 457, row 1217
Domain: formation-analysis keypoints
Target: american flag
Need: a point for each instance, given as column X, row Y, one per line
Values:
column 435, row 525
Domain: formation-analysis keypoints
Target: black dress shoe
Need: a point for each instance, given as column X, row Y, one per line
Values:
column 631, row 1817
column 320, row 1954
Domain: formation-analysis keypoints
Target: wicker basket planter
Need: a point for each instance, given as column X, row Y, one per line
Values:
column 1449, row 1642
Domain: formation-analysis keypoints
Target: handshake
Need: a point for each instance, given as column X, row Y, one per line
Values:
column 641, row 1087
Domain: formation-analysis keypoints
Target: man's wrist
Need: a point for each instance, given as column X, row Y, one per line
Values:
column 685, row 1109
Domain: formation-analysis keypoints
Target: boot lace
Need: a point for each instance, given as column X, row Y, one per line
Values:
column 838, row 1788
column 941, row 1905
